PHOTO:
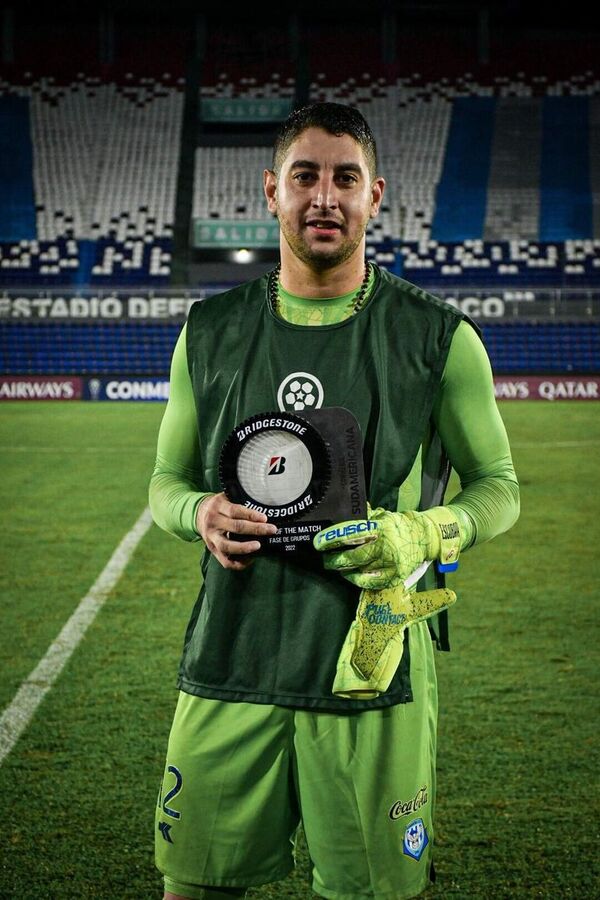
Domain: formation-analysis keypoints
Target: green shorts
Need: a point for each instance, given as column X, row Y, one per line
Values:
column 240, row 777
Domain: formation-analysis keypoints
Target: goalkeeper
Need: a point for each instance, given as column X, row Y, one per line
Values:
column 294, row 704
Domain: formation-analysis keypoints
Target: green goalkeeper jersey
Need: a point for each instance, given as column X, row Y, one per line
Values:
column 409, row 369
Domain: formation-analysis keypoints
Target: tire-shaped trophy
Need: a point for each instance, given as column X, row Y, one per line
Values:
column 303, row 472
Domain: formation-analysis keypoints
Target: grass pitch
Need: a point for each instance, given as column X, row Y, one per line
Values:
column 517, row 809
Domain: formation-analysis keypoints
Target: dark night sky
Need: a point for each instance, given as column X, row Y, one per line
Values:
column 522, row 14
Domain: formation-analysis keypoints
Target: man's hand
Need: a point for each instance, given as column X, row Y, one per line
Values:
column 393, row 547
column 216, row 517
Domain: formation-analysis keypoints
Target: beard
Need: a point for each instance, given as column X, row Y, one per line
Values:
column 322, row 257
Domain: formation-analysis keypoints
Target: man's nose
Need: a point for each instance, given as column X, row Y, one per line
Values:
column 326, row 194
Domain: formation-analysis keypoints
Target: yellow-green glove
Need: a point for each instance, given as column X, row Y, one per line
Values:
column 373, row 647
column 391, row 545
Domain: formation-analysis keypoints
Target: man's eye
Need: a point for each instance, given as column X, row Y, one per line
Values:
column 347, row 178
column 304, row 177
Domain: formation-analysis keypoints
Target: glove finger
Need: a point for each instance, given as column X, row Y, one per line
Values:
column 345, row 534
column 374, row 580
column 356, row 558
column 427, row 603
column 378, row 665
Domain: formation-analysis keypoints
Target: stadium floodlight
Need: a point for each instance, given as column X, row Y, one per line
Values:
column 243, row 256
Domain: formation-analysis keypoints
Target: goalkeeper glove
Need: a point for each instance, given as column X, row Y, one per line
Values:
column 373, row 647
column 385, row 550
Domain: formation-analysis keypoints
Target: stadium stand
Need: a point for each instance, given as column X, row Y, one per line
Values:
column 145, row 348
column 465, row 162
column 470, row 169
column 228, row 183
column 104, row 173
column 102, row 348
column 513, row 202
column 17, row 217
column 493, row 184
column 462, row 191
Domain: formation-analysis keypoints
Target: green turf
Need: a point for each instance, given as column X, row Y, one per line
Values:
column 517, row 803
column 74, row 481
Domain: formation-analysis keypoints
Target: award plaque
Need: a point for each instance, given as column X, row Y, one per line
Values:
column 303, row 472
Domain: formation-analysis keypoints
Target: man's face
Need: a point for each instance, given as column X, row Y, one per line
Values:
column 323, row 197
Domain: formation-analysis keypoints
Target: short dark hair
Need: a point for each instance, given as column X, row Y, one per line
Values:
column 336, row 118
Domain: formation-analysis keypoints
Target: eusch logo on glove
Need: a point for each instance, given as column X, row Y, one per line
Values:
column 345, row 531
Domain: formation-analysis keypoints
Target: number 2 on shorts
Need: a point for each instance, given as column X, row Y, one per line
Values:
column 168, row 810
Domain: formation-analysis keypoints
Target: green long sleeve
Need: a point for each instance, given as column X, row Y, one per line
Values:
column 475, row 439
column 176, row 481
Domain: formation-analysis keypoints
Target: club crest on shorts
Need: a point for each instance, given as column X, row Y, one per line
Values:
column 300, row 391
column 415, row 839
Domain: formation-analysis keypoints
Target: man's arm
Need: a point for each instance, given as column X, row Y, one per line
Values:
column 175, row 484
column 474, row 437
column 177, row 502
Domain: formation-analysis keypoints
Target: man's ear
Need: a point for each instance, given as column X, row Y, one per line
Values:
column 270, row 189
column 377, row 191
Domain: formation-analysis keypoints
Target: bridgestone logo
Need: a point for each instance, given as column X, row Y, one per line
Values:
column 261, row 424
column 276, row 465
column 277, row 512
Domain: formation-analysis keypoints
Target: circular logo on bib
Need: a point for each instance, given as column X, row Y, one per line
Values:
column 300, row 391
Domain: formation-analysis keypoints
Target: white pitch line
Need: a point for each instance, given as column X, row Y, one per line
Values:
column 16, row 717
